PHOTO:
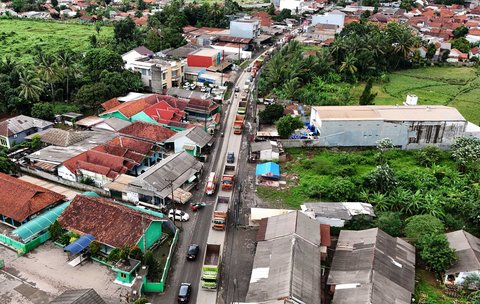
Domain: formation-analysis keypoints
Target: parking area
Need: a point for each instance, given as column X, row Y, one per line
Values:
column 43, row 274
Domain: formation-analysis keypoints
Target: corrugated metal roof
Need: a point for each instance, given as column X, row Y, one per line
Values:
column 21, row 123
column 344, row 211
column 178, row 168
column 372, row 257
column 195, row 134
column 79, row 296
column 467, row 248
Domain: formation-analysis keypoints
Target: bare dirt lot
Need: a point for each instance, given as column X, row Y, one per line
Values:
column 43, row 274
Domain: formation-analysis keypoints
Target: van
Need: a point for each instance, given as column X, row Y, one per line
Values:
column 211, row 184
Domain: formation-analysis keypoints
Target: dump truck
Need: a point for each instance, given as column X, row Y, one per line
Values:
column 242, row 107
column 211, row 267
column 228, row 177
column 246, row 86
column 238, row 124
column 219, row 221
column 210, row 187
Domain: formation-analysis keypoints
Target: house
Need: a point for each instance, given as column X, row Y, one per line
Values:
column 149, row 132
column 174, row 175
column 106, row 162
column 195, row 141
column 467, row 250
column 113, row 225
column 246, row 27
column 474, row 52
column 135, row 54
column 205, row 58
column 70, row 118
column 112, row 124
column 158, row 73
column 78, row 296
column 456, row 56
column 258, row 214
column 336, row 214
column 14, row 130
column 21, row 201
column 128, row 109
column 287, row 265
column 269, row 171
column 264, row 151
column 50, row 158
column 371, row 267
column 409, row 127
column 161, row 113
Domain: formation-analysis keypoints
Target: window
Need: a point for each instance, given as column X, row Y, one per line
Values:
column 164, row 75
column 122, row 275
column 3, row 142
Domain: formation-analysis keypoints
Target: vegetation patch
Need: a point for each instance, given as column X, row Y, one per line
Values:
column 20, row 37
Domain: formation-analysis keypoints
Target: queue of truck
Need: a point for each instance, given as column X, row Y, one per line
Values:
column 211, row 267
column 220, row 214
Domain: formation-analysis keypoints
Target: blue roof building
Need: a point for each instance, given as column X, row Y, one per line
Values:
column 268, row 170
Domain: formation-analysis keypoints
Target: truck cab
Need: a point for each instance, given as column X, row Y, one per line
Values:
column 211, row 184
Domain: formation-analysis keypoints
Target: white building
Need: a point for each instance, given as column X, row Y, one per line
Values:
column 246, row 27
column 409, row 127
column 335, row 17
column 293, row 5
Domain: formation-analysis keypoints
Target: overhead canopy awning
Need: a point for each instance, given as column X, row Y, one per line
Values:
column 80, row 244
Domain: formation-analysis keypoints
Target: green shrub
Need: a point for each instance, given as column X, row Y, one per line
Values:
column 419, row 225
column 390, row 222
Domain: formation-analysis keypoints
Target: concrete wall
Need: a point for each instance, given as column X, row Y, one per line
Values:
column 337, row 19
column 65, row 182
column 153, row 234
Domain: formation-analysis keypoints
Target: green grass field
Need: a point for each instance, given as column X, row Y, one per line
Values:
column 458, row 87
column 18, row 38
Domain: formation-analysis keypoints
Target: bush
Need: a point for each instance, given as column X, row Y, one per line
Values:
column 94, row 247
column 436, row 252
column 55, row 231
column 425, row 224
column 64, row 239
column 390, row 222
column 114, row 255
column 428, row 156
column 381, row 179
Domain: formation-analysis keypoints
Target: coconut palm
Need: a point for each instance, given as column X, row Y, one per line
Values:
column 48, row 71
column 31, row 87
column 349, row 65
column 66, row 61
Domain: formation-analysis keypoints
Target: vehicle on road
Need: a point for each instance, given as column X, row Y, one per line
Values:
column 242, row 105
column 192, row 252
column 211, row 184
column 238, row 124
column 228, row 177
column 193, row 86
column 184, row 292
column 246, row 86
column 178, row 215
column 237, row 89
column 197, row 206
column 219, row 221
column 230, row 157
column 211, row 267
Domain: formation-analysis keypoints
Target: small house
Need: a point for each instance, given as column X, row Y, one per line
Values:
column 268, row 171
column 467, row 249
column 195, row 141
column 264, row 151
column 336, row 214
column 14, row 130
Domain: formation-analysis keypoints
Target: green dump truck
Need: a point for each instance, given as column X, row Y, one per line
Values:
column 211, row 267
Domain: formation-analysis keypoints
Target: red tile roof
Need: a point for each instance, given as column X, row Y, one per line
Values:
column 325, row 239
column 130, row 108
column 148, row 131
column 110, row 223
column 20, row 199
column 474, row 32
column 265, row 18
column 163, row 113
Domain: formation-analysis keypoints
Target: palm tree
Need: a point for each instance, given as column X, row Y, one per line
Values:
column 31, row 87
column 290, row 88
column 66, row 60
column 348, row 65
column 48, row 71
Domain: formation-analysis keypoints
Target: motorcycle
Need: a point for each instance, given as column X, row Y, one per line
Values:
column 197, row 206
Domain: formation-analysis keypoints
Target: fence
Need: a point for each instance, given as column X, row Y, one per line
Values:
column 160, row 286
column 65, row 182
column 22, row 248
column 297, row 143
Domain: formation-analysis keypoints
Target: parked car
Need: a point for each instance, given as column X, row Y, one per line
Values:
column 237, row 89
column 179, row 215
column 230, row 157
column 184, row 292
column 193, row 86
column 192, row 252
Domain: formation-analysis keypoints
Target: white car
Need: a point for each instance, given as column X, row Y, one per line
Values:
column 179, row 215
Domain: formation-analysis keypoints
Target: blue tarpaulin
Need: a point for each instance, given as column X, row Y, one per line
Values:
column 80, row 244
column 269, row 169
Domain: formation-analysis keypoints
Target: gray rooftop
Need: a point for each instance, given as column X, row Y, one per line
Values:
column 179, row 168
column 371, row 264
column 62, row 138
column 344, row 211
column 195, row 134
column 79, row 296
column 263, row 145
column 21, row 123
column 287, row 261
column 57, row 155
column 467, row 248
column 187, row 94
column 115, row 123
